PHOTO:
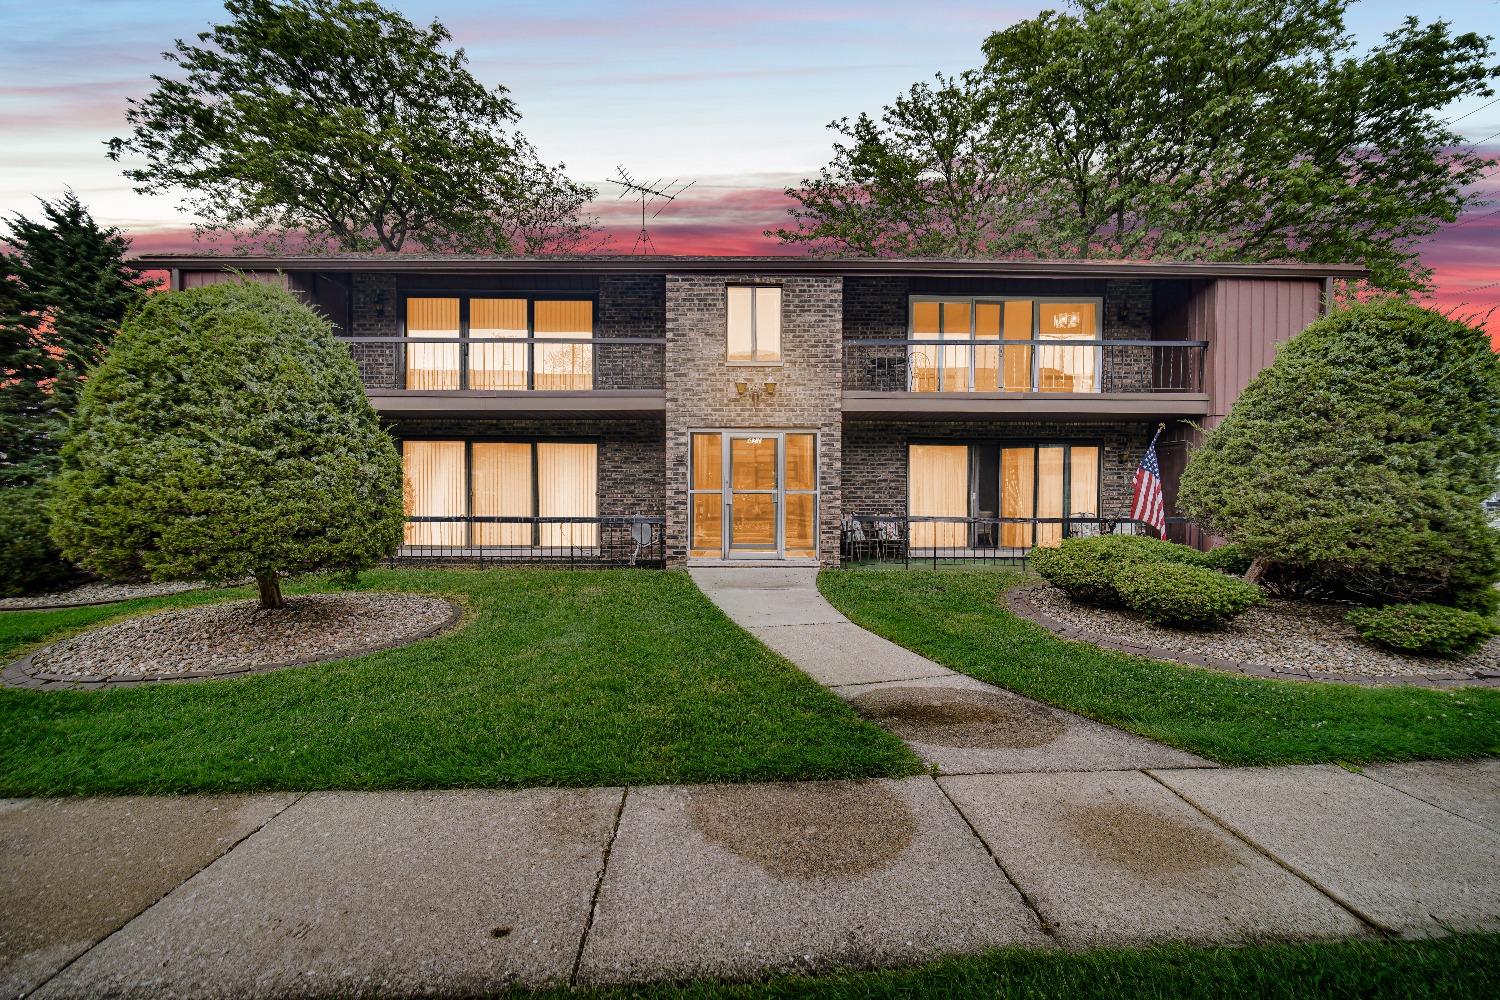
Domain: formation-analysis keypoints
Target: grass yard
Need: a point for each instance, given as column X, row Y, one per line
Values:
column 1463, row 967
column 958, row 618
column 555, row 678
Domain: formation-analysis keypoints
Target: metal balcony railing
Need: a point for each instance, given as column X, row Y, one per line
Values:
column 520, row 364
column 635, row 540
column 1022, row 366
column 934, row 541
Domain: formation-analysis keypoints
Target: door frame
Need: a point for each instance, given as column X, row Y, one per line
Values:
column 726, row 491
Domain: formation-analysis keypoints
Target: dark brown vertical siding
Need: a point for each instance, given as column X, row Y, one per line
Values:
column 1247, row 319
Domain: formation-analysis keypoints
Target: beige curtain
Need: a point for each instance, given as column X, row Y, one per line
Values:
column 1017, row 494
column 1049, row 494
column 922, row 364
column 1068, row 369
column 564, row 366
column 568, row 486
column 432, row 366
column 987, row 359
column 1083, row 478
column 502, row 488
column 768, row 323
column 497, row 366
column 1018, row 359
column 955, row 360
column 938, row 487
column 708, row 507
column 434, row 487
column 741, row 337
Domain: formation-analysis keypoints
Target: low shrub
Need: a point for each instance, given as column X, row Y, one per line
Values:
column 1085, row 568
column 1429, row 629
column 1480, row 600
column 1229, row 558
column 29, row 562
column 1183, row 595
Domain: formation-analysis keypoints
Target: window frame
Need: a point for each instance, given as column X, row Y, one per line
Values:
column 999, row 445
column 755, row 361
column 970, row 344
column 469, row 441
column 464, row 296
column 725, row 490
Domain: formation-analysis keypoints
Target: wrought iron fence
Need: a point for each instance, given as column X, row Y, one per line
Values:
column 636, row 540
column 918, row 540
column 511, row 364
column 1079, row 366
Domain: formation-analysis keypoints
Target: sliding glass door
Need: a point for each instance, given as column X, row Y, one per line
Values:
column 1010, row 495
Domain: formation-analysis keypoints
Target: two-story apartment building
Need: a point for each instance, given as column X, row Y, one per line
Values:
column 687, row 409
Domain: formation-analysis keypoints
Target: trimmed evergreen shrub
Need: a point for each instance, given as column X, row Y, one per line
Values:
column 1229, row 558
column 1182, row 595
column 1430, row 629
column 226, row 435
column 29, row 562
column 1085, row 568
column 1357, row 463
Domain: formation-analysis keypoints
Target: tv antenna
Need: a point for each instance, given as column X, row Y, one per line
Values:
column 653, row 194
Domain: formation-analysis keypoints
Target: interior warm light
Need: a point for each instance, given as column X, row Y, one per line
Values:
column 741, row 386
column 770, row 387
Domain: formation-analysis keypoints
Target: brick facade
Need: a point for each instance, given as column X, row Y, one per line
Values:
column 701, row 393
column 874, row 472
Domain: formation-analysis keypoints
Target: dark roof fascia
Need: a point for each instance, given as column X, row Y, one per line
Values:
column 843, row 266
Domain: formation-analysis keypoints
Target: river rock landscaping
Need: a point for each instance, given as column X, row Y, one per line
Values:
column 1278, row 637
column 235, row 637
column 97, row 592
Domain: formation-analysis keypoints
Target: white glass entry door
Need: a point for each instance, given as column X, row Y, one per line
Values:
column 753, row 495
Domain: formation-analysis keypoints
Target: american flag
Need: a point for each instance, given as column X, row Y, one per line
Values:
column 1147, row 504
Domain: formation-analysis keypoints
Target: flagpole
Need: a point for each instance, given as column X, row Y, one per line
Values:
column 1131, row 502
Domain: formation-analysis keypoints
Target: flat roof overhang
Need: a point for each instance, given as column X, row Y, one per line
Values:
column 618, row 403
column 652, row 264
column 1024, row 405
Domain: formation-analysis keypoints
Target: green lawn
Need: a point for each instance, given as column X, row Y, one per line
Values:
column 958, row 618
column 556, row 678
column 1464, row 967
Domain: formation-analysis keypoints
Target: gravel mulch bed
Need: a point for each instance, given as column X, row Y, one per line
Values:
column 96, row 593
column 1280, row 638
column 235, row 637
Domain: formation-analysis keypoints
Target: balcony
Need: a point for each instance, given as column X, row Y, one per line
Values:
column 520, row 377
column 1055, row 378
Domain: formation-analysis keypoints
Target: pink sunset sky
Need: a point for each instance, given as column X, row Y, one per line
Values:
column 735, row 97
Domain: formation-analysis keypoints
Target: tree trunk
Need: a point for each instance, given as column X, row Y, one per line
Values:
column 1257, row 570
column 269, row 585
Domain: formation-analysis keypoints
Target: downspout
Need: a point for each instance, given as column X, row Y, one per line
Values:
column 1327, row 296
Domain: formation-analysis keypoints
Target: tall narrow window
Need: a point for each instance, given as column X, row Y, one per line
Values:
column 432, row 366
column 434, row 487
column 707, row 495
column 568, row 486
column 502, row 365
column 939, row 487
column 564, row 366
column 502, row 488
column 801, row 496
column 1067, row 367
column 754, row 332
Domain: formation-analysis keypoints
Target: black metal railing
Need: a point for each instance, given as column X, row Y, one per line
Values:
column 934, row 541
column 636, row 540
column 1017, row 366
column 511, row 364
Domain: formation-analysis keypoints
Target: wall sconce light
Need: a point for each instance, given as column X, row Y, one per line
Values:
column 380, row 301
column 770, row 387
column 741, row 387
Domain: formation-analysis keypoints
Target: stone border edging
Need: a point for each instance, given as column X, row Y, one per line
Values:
column 1019, row 603
column 21, row 675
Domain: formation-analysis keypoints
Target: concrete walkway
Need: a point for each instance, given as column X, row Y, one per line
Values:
column 1043, row 830
column 952, row 721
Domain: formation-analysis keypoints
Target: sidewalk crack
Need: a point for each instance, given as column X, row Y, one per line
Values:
column 1031, row 905
column 588, row 923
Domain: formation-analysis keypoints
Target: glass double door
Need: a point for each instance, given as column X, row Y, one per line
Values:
column 754, row 494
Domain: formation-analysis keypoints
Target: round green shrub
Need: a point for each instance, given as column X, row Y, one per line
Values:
column 226, row 435
column 1182, row 595
column 1429, row 629
column 1229, row 558
column 1084, row 568
column 29, row 562
column 1358, row 462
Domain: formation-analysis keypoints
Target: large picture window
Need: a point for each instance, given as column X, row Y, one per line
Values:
column 461, row 480
column 977, row 485
column 500, row 343
column 997, row 344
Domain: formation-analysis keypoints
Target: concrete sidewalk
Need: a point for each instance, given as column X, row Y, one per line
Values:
column 952, row 721
column 465, row 892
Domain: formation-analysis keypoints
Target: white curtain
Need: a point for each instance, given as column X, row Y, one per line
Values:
column 434, row 473
column 938, row 487
column 1049, row 494
column 1068, row 369
column 568, row 486
column 564, row 366
column 432, row 366
column 502, row 488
